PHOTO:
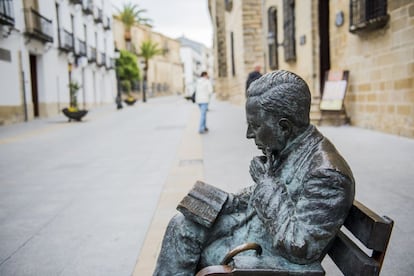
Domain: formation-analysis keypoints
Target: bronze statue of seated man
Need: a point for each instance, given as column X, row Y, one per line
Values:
column 302, row 193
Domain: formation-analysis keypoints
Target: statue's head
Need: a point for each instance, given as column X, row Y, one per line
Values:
column 277, row 109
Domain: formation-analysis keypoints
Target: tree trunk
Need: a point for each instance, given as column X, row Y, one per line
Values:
column 145, row 85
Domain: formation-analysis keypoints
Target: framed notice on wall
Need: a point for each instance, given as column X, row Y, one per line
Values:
column 333, row 95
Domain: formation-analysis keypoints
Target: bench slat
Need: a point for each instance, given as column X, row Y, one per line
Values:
column 371, row 229
column 350, row 259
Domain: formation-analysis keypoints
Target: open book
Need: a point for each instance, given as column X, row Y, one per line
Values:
column 203, row 203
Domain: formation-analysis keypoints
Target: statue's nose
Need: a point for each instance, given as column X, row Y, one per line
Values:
column 249, row 133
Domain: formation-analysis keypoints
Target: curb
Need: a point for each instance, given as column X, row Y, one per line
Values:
column 187, row 168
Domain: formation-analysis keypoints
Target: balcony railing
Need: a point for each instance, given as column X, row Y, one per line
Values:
column 80, row 50
column 98, row 15
column 91, row 54
column 110, row 64
column 38, row 26
column 107, row 23
column 76, row 2
column 66, row 41
column 87, row 6
column 6, row 12
column 102, row 59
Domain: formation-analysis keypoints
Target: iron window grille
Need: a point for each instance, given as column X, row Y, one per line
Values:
column 81, row 48
column 91, row 54
column 228, row 4
column 6, row 12
column 367, row 15
column 272, row 38
column 66, row 40
column 87, row 6
column 102, row 59
column 76, row 2
column 38, row 26
column 289, row 30
column 107, row 23
column 98, row 15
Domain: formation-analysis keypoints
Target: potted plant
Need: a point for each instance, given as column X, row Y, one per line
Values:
column 127, row 72
column 73, row 112
column 126, row 86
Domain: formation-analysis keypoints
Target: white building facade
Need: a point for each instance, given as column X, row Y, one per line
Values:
column 45, row 45
column 196, row 58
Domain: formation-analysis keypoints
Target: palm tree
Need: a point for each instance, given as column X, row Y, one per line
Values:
column 149, row 50
column 129, row 15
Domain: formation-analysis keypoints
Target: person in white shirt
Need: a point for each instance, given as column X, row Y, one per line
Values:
column 204, row 90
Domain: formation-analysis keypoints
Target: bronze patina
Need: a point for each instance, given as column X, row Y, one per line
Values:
column 302, row 192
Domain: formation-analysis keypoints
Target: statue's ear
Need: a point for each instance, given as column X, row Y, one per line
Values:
column 286, row 126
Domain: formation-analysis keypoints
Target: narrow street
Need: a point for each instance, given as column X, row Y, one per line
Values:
column 77, row 198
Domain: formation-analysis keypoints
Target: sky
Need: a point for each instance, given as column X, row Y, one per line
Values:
column 175, row 18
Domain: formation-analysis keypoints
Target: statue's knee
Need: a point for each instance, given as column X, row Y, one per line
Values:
column 181, row 227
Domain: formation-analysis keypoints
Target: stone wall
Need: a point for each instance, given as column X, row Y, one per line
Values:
column 165, row 71
column 381, row 64
column 239, row 46
column 380, row 94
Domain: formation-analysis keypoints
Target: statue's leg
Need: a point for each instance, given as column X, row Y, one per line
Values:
column 181, row 247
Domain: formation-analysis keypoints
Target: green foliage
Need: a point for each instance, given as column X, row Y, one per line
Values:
column 73, row 90
column 149, row 49
column 127, row 67
column 126, row 86
column 131, row 14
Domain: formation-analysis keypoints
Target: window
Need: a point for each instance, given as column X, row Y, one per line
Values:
column 228, row 4
column 289, row 30
column 367, row 15
column 233, row 67
column 272, row 38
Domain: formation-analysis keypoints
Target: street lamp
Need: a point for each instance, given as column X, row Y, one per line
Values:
column 118, row 99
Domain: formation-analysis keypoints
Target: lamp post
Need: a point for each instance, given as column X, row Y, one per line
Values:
column 118, row 99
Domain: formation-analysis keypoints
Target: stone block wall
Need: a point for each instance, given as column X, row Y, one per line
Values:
column 381, row 63
column 244, row 24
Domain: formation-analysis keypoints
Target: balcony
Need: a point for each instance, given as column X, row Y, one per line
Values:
column 75, row 2
column 91, row 54
column 6, row 12
column 102, row 60
column 80, row 50
column 87, row 6
column 38, row 26
column 66, row 41
column 110, row 63
column 107, row 23
column 98, row 15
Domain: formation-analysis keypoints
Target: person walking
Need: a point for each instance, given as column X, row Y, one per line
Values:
column 254, row 75
column 204, row 90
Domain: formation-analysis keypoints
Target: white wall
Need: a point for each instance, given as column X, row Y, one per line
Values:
column 10, row 72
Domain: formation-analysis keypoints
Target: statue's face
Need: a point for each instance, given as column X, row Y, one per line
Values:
column 264, row 128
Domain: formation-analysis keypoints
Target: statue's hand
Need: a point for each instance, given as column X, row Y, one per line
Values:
column 259, row 168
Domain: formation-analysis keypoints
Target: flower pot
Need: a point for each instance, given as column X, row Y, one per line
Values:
column 74, row 115
column 130, row 101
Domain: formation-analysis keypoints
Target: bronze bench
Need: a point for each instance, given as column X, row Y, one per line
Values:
column 372, row 230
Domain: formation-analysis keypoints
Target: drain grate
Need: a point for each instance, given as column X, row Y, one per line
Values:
column 190, row 162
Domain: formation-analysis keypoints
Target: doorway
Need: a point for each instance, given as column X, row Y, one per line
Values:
column 324, row 54
column 33, row 77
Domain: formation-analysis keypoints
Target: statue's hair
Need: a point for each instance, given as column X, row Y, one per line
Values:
column 283, row 94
